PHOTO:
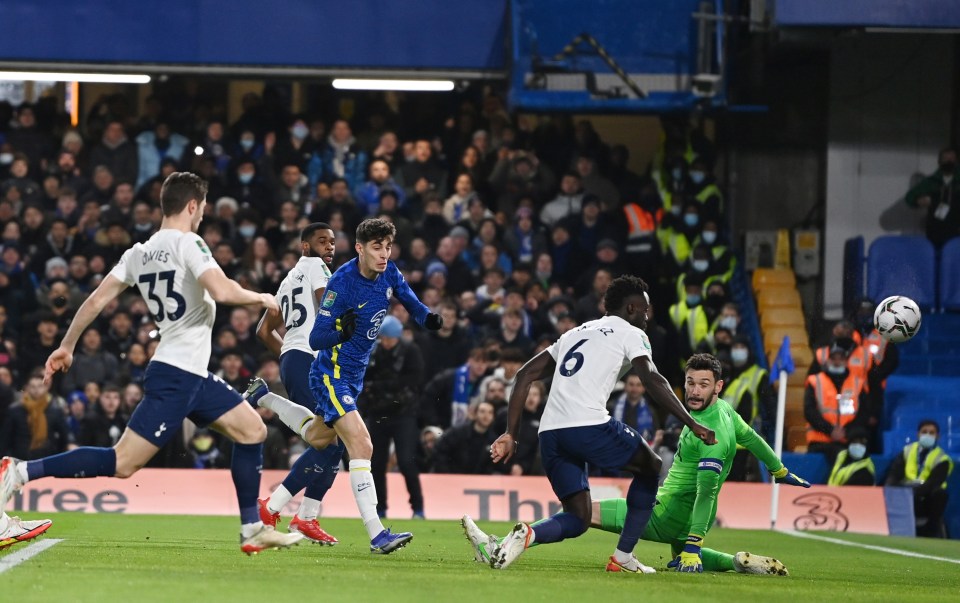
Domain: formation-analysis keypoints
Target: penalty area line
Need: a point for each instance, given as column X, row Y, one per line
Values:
column 872, row 547
column 12, row 560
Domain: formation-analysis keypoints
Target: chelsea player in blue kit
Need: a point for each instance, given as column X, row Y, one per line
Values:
column 353, row 308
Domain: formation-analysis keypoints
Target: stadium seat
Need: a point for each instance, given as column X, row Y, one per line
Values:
column 778, row 297
column 853, row 258
column 764, row 278
column 773, row 337
column 902, row 265
column 950, row 276
column 789, row 316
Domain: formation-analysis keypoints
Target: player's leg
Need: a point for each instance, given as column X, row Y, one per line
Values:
column 14, row 529
column 325, row 469
column 222, row 408
column 336, row 403
column 406, row 438
column 567, row 472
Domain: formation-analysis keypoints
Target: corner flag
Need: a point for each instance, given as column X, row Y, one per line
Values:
column 783, row 361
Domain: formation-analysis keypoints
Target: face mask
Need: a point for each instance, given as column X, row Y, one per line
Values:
column 700, row 265
column 247, row 231
column 143, row 227
column 6, row 158
column 857, row 451
column 927, row 440
column 246, row 178
column 836, row 370
column 693, row 300
column 677, row 174
column 697, row 177
column 300, row 131
column 709, row 237
column 691, row 220
column 247, row 144
column 675, row 209
column 739, row 356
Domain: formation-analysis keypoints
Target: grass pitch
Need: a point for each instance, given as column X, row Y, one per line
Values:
column 176, row 558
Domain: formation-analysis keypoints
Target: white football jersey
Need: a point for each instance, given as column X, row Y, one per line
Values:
column 166, row 270
column 590, row 359
column 298, row 304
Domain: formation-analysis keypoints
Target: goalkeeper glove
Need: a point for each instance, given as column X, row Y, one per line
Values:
column 433, row 322
column 690, row 560
column 783, row 476
column 348, row 324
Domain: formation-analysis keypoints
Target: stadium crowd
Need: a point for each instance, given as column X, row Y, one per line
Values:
column 510, row 226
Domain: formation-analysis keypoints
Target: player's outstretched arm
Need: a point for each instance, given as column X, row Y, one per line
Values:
column 267, row 331
column 539, row 367
column 660, row 392
column 226, row 291
column 62, row 358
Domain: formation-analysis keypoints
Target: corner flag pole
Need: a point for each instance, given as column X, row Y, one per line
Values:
column 782, row 366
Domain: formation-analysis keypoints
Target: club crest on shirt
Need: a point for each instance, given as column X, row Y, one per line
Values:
column 389, row 293
column 348, row 399
column 328, row 298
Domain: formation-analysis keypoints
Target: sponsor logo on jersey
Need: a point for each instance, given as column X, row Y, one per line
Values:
column 359, row 306
column 328, row 298
column 389, row 293
column 203, row 247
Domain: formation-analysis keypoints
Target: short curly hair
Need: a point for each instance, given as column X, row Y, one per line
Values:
column 705, row 362
column 620, row 289
column 375, row 229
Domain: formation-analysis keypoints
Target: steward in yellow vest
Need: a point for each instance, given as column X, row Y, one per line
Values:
column 925, row 467
column 853, row 467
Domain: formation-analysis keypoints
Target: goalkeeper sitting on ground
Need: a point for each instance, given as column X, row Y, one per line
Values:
column 687, row 502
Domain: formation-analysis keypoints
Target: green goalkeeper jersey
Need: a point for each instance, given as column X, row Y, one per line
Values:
column 699, row 470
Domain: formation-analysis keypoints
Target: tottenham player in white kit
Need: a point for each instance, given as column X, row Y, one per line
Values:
column 299, row 296
column 177, row 276
column 576, row 429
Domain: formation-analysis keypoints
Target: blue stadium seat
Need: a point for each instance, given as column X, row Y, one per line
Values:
column 894, row 441
column 902, row 265
column 950, row 276
column 853, row 257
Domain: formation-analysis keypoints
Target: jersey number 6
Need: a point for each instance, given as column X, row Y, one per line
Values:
column 572, row 354
column 151, row 281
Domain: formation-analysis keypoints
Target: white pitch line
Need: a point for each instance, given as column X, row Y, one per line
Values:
column 872, row 547
column 14, row 559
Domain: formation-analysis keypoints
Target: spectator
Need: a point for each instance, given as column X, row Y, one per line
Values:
column 447, row 347
column 455, row 207
column 105, row 422
column 689, row 317
column 421, row 175
column 510, row 333
column 519, row 174
column 938, row 194
column 526, row 460
column 294, row 148
column 36, row 426
column 34, row 351
column 567, row 203
column 925, row 467
column 590, row 306
column 90, row 363
column 447, row 397
column 387, row 150
column 117, row 153
column 389, row 403
column 340, row 157
column 153, row 146
column 27, row 189
column 465, row 448
column 27, row 138
column 833, row 402
column 426, row 453
column 119, row 336
column 853, row 467
column 367, row 195
column 523, row 239
column 459, row 278
column 748, row 391
column 632, row 408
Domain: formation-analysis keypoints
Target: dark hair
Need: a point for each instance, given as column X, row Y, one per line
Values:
column 926, row 422
column 179, row 189
column 705, row 362
column 309, row 229
column 372, row 230
column 513, row 355
column 620, row 289
column 478, row 354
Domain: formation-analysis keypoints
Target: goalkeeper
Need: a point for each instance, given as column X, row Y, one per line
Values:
column 686, row 504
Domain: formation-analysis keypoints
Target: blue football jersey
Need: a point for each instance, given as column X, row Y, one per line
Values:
column 370, row 300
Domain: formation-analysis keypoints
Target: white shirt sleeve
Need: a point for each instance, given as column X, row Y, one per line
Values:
column 554, row 349
column 122, row 270
column 636, row 344
column 196, row 255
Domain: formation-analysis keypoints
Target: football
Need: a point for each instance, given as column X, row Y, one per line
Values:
column 897, row 318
